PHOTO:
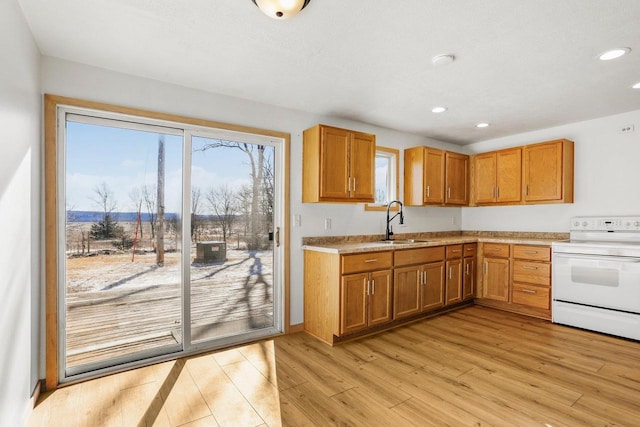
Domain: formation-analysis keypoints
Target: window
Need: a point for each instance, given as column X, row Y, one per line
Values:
column 386, row 178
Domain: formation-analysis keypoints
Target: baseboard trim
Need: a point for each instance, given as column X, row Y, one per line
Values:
column 296, row 328
column 35, row 395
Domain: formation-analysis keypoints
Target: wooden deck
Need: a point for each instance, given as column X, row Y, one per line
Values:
column 114, row 322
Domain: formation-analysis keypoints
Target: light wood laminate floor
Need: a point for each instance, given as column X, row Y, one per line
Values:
column 476, row 366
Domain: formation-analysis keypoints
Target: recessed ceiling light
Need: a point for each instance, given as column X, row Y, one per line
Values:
column 614, row 53
column 482, row 125
column 636, row 86
column 444, row 59
column 438, row 109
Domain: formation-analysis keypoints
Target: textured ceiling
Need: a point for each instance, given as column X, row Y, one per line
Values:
column 520, row 65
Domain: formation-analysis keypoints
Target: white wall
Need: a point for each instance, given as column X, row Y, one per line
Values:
column 75, row 80
column 606, row 180
column 20, row 111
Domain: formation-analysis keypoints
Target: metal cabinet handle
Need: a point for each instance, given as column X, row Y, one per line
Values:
column 528, row 291
column 368, row 287
column 428, row 191
column 449, row 192
column 354, row 183
column 450, row 274
column 373, row 287
column 467, row 269
column 530, row 252
column 484, row 268
column 371, row 260
column 527, row 267
column 456, row 250
column 495, row 249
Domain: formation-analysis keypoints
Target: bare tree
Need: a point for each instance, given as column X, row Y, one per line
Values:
column 149, row 193
column 196, row 221
column 107, row 227
column 160, row 203
column 223, row 202
column 255, row 155
column 136, row 198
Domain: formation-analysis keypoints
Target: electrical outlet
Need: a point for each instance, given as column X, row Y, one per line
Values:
column 327, row 223
column 627, row 129
column 297, row 220
column 453, row 220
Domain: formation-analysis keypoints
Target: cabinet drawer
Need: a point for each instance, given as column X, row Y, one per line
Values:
column 470, row 249
column 418, row 256
column 533, row 296
column 532, row 272
column 366, row 262
column 535, row 253
column 454, row 251
column 496, row 250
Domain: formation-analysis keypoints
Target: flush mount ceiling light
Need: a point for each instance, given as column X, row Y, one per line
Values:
column 613, row 53
column 444, row 59
column 438, row 109
column 636, row 86
column 482, row 125
column 281, row 9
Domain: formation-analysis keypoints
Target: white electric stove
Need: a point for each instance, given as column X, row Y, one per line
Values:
column 596, row 276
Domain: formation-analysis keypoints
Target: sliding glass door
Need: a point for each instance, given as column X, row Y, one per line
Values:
column 140, row 280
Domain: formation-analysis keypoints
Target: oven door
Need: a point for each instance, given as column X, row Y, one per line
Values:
column 597, row 280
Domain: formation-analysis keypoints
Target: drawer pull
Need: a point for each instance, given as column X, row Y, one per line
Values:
column 530, row 252
column 455, row 250
column 526, row 267
column 528, row 291
column 371, row 260
column 495, row 249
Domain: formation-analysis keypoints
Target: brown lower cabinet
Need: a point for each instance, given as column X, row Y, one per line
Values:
column 351, row 294
column 418, row 281
column 517, row 278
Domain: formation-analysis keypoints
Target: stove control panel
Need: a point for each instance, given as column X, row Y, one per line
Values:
column 605, row 223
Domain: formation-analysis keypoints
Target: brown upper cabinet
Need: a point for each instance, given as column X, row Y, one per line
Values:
column 337, row 165
column 435, row 177
column 456, row 172
column 423, row 176
column 498, row 177
column 548, row 172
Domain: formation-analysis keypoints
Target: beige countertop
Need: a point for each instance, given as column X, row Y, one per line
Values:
column 350, row 246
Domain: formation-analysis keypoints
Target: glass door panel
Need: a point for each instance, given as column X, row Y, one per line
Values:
column 232, row 238
column 122, row 275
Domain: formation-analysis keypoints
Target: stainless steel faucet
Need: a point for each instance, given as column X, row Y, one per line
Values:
column 389, row 231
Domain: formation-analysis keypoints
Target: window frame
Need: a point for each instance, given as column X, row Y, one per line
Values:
column 390, row 153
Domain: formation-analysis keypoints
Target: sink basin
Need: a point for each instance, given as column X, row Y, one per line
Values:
column 404, row 241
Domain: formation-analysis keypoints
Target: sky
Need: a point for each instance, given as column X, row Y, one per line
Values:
column 126, row 159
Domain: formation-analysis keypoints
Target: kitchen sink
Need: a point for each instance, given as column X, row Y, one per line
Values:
column 404, row 241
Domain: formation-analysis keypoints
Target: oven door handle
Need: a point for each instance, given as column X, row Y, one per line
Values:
column 627, row 260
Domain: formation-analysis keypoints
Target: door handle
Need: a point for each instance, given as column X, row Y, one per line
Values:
column 428, row 191
column 278, row 237
column 354, row 183
column 450, row 274
column 373, row 287
column 449, row 192
column 467, row 269
column 368, row 287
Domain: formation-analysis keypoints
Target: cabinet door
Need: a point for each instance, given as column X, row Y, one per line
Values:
column 432, row 286
column 496, row 279
column 543, row 172
column 406, row 291
column 509, row 175
column 468, row 278
column 434, row 167
column 380, row 298
column 334, row 166
column 353, row 303
column 453, row 292
column 485, row 178
column 361, row 165
column 456, row 179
